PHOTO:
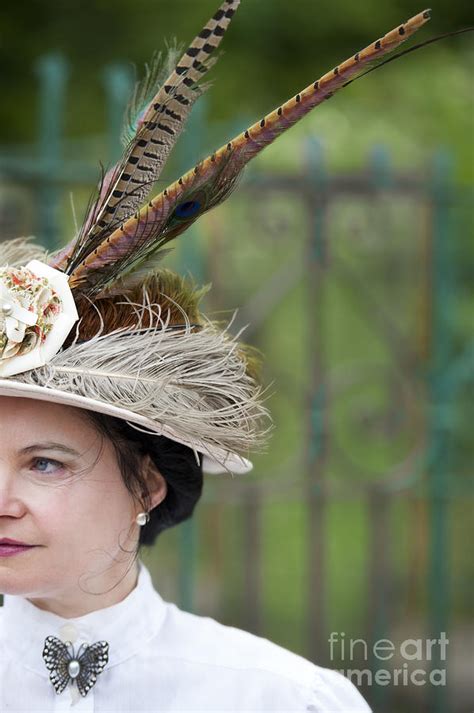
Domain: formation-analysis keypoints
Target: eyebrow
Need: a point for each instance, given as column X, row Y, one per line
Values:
column 50, row 446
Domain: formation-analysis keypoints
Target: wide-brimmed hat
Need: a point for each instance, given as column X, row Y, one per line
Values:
column 101, row 325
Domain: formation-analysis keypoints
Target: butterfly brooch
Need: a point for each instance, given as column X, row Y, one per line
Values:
column 83, row 668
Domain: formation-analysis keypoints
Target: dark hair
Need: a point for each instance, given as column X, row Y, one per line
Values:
column 176, row 462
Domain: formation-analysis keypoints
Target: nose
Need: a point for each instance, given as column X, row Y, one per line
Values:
column 11, row 504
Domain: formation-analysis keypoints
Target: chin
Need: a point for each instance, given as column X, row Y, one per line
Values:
column 18, row 578
column 14, row 582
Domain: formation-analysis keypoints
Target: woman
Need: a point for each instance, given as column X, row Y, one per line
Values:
column 116, row 394
column 78, row 581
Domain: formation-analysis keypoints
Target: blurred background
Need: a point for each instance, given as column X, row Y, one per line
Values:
column 347, row 249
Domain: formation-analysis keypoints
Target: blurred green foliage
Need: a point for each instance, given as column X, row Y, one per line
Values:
column 272, row 50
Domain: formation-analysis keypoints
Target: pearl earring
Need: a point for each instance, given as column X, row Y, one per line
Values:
column 142, row 518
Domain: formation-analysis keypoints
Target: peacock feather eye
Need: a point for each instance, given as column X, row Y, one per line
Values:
column 188, row 209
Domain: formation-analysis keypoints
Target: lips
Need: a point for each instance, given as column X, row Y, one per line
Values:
column 9, row 550
column 7, row 541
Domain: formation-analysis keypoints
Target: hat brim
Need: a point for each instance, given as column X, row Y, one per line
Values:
column 215, row 460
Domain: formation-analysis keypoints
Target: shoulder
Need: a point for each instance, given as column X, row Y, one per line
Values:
column 276, row 674
column 207, row 640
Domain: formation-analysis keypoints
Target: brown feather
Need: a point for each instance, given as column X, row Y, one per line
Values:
column 173, row 293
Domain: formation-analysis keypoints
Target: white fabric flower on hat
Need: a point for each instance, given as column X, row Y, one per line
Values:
column 37, row 312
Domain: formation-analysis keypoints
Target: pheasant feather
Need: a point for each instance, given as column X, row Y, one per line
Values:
column 158, row 126
column 210, row 182
column 157, row 74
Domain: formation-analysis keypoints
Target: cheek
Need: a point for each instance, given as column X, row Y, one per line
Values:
column 94, row 511
column 62, row 514
column 101, row 510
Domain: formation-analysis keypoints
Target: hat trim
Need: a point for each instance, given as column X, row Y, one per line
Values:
column 215, row 460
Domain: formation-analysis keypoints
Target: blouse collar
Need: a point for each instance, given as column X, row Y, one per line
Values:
column 126, row 626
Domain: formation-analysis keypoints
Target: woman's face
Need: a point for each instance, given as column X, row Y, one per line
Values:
column 69, row 500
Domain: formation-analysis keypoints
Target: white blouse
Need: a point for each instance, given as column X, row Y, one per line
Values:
column 161, row 659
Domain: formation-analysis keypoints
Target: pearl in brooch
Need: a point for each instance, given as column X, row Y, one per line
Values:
column 74, row 668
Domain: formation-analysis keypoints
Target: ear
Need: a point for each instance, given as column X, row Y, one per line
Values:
column 156, row 482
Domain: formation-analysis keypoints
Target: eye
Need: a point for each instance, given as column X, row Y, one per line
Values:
column 41, row 461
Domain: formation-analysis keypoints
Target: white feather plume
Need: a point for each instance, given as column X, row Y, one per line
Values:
column 195, row 382
column 18, row 251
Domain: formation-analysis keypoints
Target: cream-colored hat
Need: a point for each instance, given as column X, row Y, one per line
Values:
column 101, row 325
